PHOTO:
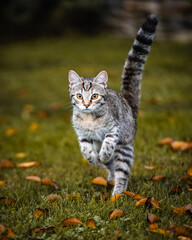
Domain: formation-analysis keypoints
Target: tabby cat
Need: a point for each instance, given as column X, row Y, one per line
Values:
column 105, row 120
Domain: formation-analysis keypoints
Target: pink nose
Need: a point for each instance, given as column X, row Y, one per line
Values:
column 86, row 105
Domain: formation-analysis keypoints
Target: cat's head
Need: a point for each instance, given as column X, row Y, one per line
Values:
column 88, row 94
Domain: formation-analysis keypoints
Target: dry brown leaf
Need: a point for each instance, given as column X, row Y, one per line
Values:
column 20, row 155
column 2, row 228
column 42, row 229
column 152, row 218
column 48, row 181
column 33, row 178
column 189, row 182
column 33, row 127
column 116, row 213
column 152, row 202
column 115, row 197
column 2, row 183
column 104, row 196
column 177, row 190
column 141, row 202
column 130, row 194
column 157, row 177
column 7, row 201
column 177, row 230
column 99, row 181
column 138, row 196
column 91, row 223
column 187, row 209
column 178, row 145
column 28, row 164
column 39, row 212
column 183, row 238
column 189, row 189
column 160, row 231
column 6, row 163
column 149, row 167
column 184, row 178
column 10, row 233
column 71, row 221
column 186, row 147
column 165, row 141
column 10, row 132
column 52, row 197
column 189, row 172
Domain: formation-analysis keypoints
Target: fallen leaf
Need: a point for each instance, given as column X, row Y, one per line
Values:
column 39, row 212
column 33, row 178
column 141, row 202
column 156, row 178
column 111, row 183
column 6, row 163
column 159, row 230
column 48, row 181
column 178, row 145
column 28, row 164
column 10, row 233
column 91, row 223
column 33, row 127
column 187, row 209
column 165, row 141
column 152, row 218
column 184, row 178
column 189, row 189
column 149, row 167
column 130, row 194
column 2, row 183
column 11, row 131
column 52, row 197
column 99, row 181
column 189, row 182
column 115, row 197
column 183, row 238
column 177, row 230
column 7, row 201
column 116, row 234
column 20, row 155
column 138, row 196
column 71, row 221
column 2, row 228
column 152, row 202
column 188, row 227
column 42, row 229
column 189, row 172
column 186, row 147
column 116, row 213
column 177, row 190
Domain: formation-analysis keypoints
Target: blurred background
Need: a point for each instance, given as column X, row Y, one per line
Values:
column 21, row 19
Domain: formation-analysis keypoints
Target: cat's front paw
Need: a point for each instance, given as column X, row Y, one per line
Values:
column 104, row 156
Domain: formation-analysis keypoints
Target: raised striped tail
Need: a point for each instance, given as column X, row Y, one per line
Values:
column 134, row 64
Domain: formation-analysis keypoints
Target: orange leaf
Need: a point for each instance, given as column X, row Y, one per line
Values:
column 186, row 147
column 7, row 201
column 39, row 212
column 141, row 202
column 138, row 196
column 152, row 202
column 6, row 163
column 149, row 167
column 99, row 181
column 115, row 197
column 189, row 189
column 165, row 141
column 159, row 230
column 189, row 172
column 116, row 213
column 116, row 234
column 33, row 178
column 52, row 197
column 183, row 238
column 111, row 183
column 176, row 190
column 91, row 223
column 20, row 155
column 71, row 221
column 48, row 181
column 130, row 194
column 10, row 132
column 152, row 218
column 187, row 209
column 10, row 233
column 184, row 178
column 177, row 230
column 42, row 229
column 2, row 228
column 2, row 183
column 178, row 145
column 33, row 126
column 28, row 164
column 156, row 178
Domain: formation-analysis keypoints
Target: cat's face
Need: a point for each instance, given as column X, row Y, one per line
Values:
column 88, row 94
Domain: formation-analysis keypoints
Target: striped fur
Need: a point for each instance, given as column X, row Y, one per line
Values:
column 104, row 120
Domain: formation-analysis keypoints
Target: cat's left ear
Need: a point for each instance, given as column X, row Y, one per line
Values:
column 73, row 78
column 102, row 78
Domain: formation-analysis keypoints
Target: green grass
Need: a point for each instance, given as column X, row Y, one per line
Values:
column 36, row 73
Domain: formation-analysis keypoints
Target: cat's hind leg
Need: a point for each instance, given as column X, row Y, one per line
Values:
column 123, row 160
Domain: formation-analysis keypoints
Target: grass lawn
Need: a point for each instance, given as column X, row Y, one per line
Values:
column 35, row 105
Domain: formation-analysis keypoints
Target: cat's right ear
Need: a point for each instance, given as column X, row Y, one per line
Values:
column 73, row 78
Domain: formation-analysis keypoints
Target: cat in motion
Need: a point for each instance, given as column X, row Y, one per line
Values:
column 104, row 120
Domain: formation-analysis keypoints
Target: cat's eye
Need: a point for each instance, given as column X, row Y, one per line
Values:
column 79, row 96
column 94, row 96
